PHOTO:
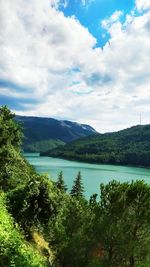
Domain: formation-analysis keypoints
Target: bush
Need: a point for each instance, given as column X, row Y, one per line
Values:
column 14, row 250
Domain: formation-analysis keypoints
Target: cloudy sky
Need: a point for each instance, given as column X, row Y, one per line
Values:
column 81, row 60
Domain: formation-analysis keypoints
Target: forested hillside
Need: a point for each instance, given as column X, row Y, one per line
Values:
column 130, row 147
column 44, row 225
column 43, row 133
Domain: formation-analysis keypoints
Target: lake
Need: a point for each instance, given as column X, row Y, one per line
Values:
column 92, row 174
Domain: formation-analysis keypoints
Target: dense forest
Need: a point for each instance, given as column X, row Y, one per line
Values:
column 42, row 224
column 128, row 147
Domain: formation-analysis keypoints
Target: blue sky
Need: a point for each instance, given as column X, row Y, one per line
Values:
column 91, row 14
column 81, row 60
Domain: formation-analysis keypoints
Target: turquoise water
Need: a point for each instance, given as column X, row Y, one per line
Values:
column 92, row 174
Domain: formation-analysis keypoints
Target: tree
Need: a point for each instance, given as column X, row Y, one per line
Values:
column 10, row 130
column 122, row 224
column 72, row 232
column 10, row 140
column 35, row 203
column 60, row 183
column 77, row 189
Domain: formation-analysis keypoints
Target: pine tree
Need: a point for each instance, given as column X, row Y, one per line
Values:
column 60, row 183
column 77, row 189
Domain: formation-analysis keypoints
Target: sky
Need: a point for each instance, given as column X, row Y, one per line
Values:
column 80, row 60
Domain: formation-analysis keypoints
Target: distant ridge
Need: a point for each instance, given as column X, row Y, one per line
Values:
column 42, row 134
column 129, row 147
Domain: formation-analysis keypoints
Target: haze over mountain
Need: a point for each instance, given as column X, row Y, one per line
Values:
column 45, row 133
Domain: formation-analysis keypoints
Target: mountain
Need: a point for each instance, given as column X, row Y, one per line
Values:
column 46, row 133
column 129, row 147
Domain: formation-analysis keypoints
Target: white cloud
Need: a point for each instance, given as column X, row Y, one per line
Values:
column 143, row 5
column 40, row 43
column 55, row 58
column 107, row 23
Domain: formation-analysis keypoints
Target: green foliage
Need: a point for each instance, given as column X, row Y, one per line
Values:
column 77, row 189
column 13, row 168
column 128, row 147
column 122, row 224
column 71, row 233
column 14, row 250
column 34, row 203
column 10, row 132
column 60, row 183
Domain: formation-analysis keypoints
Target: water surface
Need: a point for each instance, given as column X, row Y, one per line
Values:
column 92, row 174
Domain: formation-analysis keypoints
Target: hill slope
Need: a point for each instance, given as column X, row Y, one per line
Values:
column 14, row 249
column 38, row 130
column 130, row 147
